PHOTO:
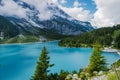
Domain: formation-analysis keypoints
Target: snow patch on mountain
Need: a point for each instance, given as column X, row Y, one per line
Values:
column 42, row 14
column 46, row 9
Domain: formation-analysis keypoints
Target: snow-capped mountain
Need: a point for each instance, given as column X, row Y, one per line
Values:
column 32, row 15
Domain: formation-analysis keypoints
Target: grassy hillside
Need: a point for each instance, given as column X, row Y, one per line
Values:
column 21, row 39
column 31, row 34
column 104, row 36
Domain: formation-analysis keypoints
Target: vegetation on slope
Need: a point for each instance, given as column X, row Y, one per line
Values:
column 51, row 34
column 104, row 36
column 114, row 74
column 8, row 28
column 117, row 41
column 20, row 39
column 12, row 33
column 116, row 64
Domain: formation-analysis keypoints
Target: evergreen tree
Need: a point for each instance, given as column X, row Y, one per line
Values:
column 63, row 74
column 117, row 42
column 53, row 76
column 97, row 61
column 43, row 64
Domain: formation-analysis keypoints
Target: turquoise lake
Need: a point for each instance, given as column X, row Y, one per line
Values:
column 18, row 61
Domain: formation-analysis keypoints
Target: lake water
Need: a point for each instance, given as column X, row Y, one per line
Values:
column 18, row 61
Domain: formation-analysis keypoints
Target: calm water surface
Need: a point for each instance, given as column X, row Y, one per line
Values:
column 18, row 61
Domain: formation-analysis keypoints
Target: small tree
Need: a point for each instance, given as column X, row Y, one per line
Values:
column 63, row 74
column 42, row 66
column 53, row 76
column 97, row 61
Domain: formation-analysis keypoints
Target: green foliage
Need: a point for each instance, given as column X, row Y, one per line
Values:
column 21, row 39
column 116, row 33
column 82, row 74
column 117, row 42
column 103, row 35
column 116, row 64
column 97, row 61
column 50, row 34
column 112, row 76
column 54, row 76
column 74, row 72
column 12, row 31
column 63, row 75
column 115, row 74
column 8, row 28
column 43, row 64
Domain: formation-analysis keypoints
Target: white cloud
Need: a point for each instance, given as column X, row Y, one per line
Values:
column 63, row 1
column 107, row 14
column 77, row 11
column 79, row 4
column 76, row 3
column 10, row 8
column 40, row 5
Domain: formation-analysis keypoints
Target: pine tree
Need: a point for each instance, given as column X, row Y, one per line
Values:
column 43, row 64
column 97, row 61
column 63, row 74
column 117, row 42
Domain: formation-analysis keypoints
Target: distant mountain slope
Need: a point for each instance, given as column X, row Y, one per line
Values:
column 47, row 20
column 8, row 28
column 48, row 16
column 12, row 33
column 105, row 36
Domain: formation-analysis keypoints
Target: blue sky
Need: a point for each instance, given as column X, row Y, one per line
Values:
column 86, row 4
column 100, row 13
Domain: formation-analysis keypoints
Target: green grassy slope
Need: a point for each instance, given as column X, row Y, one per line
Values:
column 20, row 39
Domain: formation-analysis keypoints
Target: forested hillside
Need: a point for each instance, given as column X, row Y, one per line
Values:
column 8, row 28
column 12, row 33
column 105, row 36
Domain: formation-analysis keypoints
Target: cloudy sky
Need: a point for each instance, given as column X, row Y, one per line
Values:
column 100, row 13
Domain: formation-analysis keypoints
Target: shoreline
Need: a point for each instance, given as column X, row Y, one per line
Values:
column 118, row 52
column 111, row 50
column 27, row 43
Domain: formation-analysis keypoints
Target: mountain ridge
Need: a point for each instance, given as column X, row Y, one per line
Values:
column 49, row 18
